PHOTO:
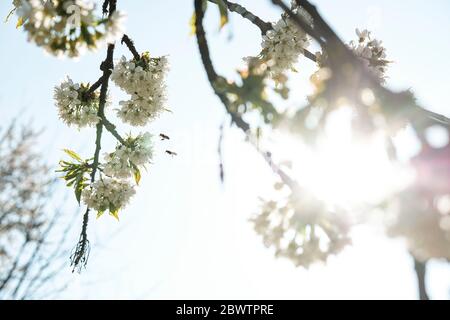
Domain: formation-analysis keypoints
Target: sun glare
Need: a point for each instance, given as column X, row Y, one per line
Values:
column 341, row 170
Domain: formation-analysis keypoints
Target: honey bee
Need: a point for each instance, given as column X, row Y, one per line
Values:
column 171, row 153
column 164, row 137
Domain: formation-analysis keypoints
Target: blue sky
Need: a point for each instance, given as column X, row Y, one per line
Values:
column 185, row 235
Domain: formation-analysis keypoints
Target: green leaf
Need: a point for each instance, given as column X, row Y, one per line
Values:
column 100, row 213
column 20, row 22
column 137, row 173
column 73, row 155
column 137, row 176
column 192, row 24
column 78, row 194
column 114, row 213
column 193, row 19
column 71, row 175
column 79, row 186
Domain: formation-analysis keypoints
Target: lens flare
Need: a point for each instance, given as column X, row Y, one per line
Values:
column 341, row 170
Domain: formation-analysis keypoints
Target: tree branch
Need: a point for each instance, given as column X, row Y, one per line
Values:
column 243, row 12
column 81, row 253
column 213, row 78
column 263, row 26
column 341, row 57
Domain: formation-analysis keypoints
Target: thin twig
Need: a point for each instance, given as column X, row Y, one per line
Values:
column 35, row 253
column 95, row 85
column 263, row 26
column 130, row 45
column 242, row 11
column 112, row 129
column 11, row 271
column 37, row 280
column 300, row 22
column 220, row 153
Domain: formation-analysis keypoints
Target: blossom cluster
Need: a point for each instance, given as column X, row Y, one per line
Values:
column 67, row 27
column 108, row 194
column 301, row 230
column 76, row 106
column 371, row 52
column 114, row 191
column 124, row 161
column 283, row 45
column 144, row 80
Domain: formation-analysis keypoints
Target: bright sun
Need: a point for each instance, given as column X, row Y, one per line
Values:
column 341, row 171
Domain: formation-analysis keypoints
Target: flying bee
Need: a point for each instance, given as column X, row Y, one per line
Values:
column 164, row 137
column 171, row 153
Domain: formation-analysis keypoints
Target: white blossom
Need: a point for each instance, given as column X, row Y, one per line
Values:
column 144, row 81
column 301, row 229
column 139, row 111
column 363, row 35
column 75, row 106
column 122, row 163
column 115, row 26
column 371, row 52
column 108, row 194
column 283, row 45
column 60, row 32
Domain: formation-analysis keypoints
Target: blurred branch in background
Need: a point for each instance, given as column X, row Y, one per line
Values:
column 420, row 268
column 350, row 77
column 420, row 219
column 33, row 235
